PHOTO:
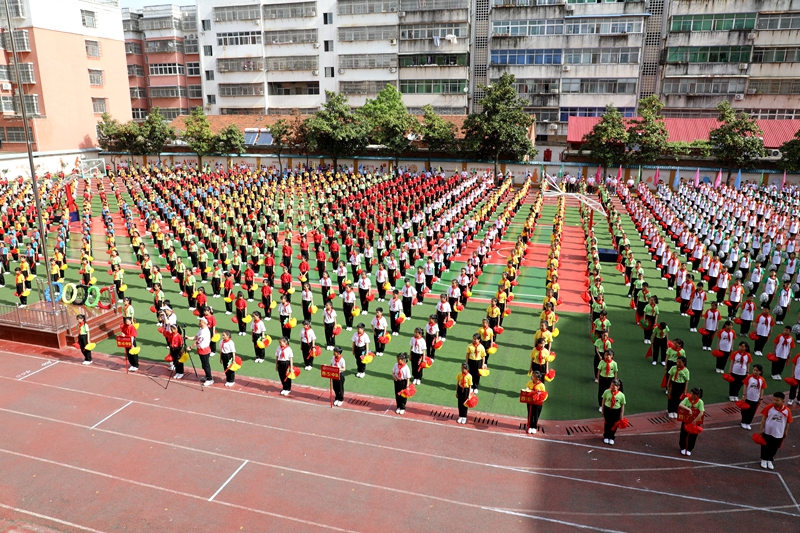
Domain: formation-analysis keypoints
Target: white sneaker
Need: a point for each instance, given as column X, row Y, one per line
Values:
column 605, row 441
column 268, row 318
column 171, row 366
column 398, row 412
column 655, row 363
column 360, row 375
column 759, row 353
column 770, row 465
column 228, row 313
column 133, row 369
column 349, row 329
column 532, row 431
column 395, row 334
column 790, row 402
column 688, row 452
column 779, row 322
column 611, row 441
column 600, row 409
column 663, row 363
column 719, row 371
column 229, row 384
column 763, row 464
column 177, row 376
column 459, row 420
column 402, row 412
column 87, row 362
column 379, row 354
column 683, row 452
column 475, row 391
column 442, row 339
column 208, row 383
column 776, row 377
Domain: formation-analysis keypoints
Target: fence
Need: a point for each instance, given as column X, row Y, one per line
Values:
column 42, row 319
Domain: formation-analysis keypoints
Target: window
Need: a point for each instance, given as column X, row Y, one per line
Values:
column 21, row 41
column 25, row 71
column 130, row 25
column 195, row 91
column 708, row 54
column 241, row 64
column 205, row 24
column 190, row 46
column 98, row 105
column 429, row 31
column 166, row 69
column 175, row 91
column 192, row 69
column 171, row 113
column 241, row 89
column 293, row 10
column 779, row 21
column 528, row 27
column 365, row 7
column 368, row 61
column 189, row 22
column 95, row 77
column 440, row 110
column 231, row 13
column 434, row 60
column 598, row 86
column 714, row 22
column 328, row 46
column 774, row 114
column 544, row 56
column 327, row 18
column 329, row 72
column 290, row 36
column 31, row 104
column 164, row 46
column 209, row 75
column 133, row 49
column 88, row 18
column 292, row 63
column 211, row 99
column 293, row 88
column 92, row 48
column 566, row 112
column 545, row 114
column 241, row 111
column 137, row 93
column 535, row 86
column 160, row 23
column 774, row 86
column 603, row 26
column 17, row 135
column 139, row 113
column 367, row 33
column 703, row 85
column 7, row 103
column 432, row 5
column 135, row 70
column 432, row 86
column 208, row 51
column 363, row 87
column 776, row 55
column 17, row 8
column 5, row 74
column 238, row 38
column 601, row 56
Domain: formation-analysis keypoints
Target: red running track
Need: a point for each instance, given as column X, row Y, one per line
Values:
column 91, row 449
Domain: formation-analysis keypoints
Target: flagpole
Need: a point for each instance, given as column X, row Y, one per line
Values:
column 34, row 180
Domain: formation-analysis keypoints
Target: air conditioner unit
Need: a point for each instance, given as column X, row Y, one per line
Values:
column 742, row 66
column 316, row 45
column 623, row 32
column 315, row 73
column 392, row 70
column 401, row 14
column 751, row 91
column 393, row 41
column 751, row 36
column 341, row 71
column 393, row 9
column 738, row 97
column 6, row 86
column 553, row 91
column 775, row 153
column 552, row 127
column 566, row 68
column 273, row 15
column 569, row 7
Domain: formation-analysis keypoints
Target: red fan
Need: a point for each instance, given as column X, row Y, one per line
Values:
column 370, row 297
column 693, row 429
column 507, row 312
column 690, row 312
column 632, row 304
column 649, row 353
column 758, row 438
column 168, row 358
column 449, row 323
column 753, row 336
column 791, row 381
column 161, row 330
column 400, row 319
column 337, row 330
column 706, row 277
column 438, row 344
column 472, row 401
column 741, row 404
column 196, row 312
column 331, row 295
column 384, row 339
column 678, row 299
column 550, row 376
column 152, row 308
column 234, row 320
column 183, row 294
column 498, row 330
column 539, row 397
column 664, row 381
column 317, row 351
column 261, row 305
column 141, row 276
column 727, row 303
column 409, row 391
column 459, row 308
column 514, row 283
column 729, row 378
column 671, row 345
column 737, row 321
column 717, row 353
column 414, row 301
column 771, row 357
column 702, row 331
column 244, row 286
column 425, row 362
column 622, row 423
column 715, row 289
column 76, row 345
column 585, row 297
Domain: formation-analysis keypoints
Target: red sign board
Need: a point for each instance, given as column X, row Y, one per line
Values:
column 124, row 342
column 330, row 372
column 527, row 396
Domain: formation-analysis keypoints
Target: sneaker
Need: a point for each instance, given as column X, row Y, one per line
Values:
column 475, row 391
column 600, row 409
column 719, row 371
column 364, row 312
column 249, row 299
column 178, row 376
column 360, row 375
column 459, row 420
column 442, row 339
column 309, row 367
column 688, row 452
column 655, row 363
column 208, row 383
column 770, row 465
column 133, row 369
column 776, row 377
column 779, row 322
column 349, row 329
column 395, row 334
column 532, row 431
column 379, row 354
column 87, row 362
column 398, row 412
column 229, row 383
column 596, row 381
column 611, row 442
column 763, row 464
column 790, row 402
column 663, row 363
column 401, row 412
column 228, row 313
column 683, row 452
column 759, row 353
column 748, row 426
column 259, row 360
column 605, row 441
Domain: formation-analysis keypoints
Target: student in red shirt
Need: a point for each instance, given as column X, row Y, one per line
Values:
column 266, row 301
column 175, row 341
column 127, row 330
column 774, row 428
column 241, row 312
column 227, row 292
column 286, row 283
column 208, row 314
column 249, row 279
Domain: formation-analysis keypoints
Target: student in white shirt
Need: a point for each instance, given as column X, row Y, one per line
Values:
column 418, row 348
column 754, row 386
column 202, row 341
column 329, row 322
column 774, row 428
column 338, row 384
column 308, row 340
column 379, row 327
column 360, row 343
column 258, row 330
column 227, row 354
column 401, row 375
column 283, row 364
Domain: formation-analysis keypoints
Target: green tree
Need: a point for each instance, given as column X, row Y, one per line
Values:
column 109, row 136
column 197, row 135
column 230, row 140
column 301, row 138
column 790, row 154
column 501, row 127
column 281, row 139
column 737, row 142
column 335, row 130
column 438, row 134
column 647, row 134
column 608, row 139
column 389, row 123
column 157, row 132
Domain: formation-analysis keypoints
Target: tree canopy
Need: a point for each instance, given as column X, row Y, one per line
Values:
column 335, row 130
column 438, row 134
column 738, row 142
column 790, row 154
column 230, row 140
column 197, row 135
column 608, row 139
column 647, row 134
column 281, row 133
column 388, row 122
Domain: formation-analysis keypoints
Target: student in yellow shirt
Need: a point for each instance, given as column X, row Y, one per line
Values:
column 487, row 335
column 502, row 298
column 534, row 410
column 549, row 316
column 543, row 333
column 476, row 359
column 463, row 386
column 540, row 357
column 493, row 313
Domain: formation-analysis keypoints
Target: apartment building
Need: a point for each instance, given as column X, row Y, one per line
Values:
column 745, row 51
column 72, row 69
column 163, row 59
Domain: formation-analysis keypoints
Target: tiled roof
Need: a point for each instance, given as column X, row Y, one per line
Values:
column 776, row 132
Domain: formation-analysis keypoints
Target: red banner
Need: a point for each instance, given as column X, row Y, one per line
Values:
column 330, row 372
column 124, row 342
column 527, row 396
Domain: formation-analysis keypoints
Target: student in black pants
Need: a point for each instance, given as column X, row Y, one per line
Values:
column 402, row 376
column 660, row 339
column 463, row 386
column 338, row 384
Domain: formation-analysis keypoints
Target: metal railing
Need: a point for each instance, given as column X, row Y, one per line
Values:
column 42, row 319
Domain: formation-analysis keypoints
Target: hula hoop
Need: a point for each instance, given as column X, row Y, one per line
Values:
column 58, row 288
column 92, row 297
column 100, row 303
column 80, row 292
column 69, row 293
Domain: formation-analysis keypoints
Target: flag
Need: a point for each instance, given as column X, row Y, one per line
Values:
column 657, row 176
column 597, row 175
column 738, row 182
column 697, row 177
column 72, row 207
column 783, row 181
column 718, row 181
column 561, row 172
column 639, row 176
column 677, row 181
column 619, row 174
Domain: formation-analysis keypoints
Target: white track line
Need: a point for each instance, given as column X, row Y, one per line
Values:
column 112, row 414
column 789, row 491
column 44, row 367
column 211, row 499
column 50, row 518
column 554, row 521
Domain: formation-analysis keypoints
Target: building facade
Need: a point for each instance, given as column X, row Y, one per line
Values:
column 163, row 60
column 71, row 68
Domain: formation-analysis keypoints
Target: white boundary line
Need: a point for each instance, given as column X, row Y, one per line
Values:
column 50, row 518
column 112, row 414
column 572, row 524
column 44, row 367
column 211, row 499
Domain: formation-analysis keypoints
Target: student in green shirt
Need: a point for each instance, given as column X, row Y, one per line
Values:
column 660, row 340
column 598, row 306
column 600, row 346
column 650, row 313
column 83, row 339
column 607, row 371
column 613, row 408
column 601, row 324
column 693, row 406
column 677, row 381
